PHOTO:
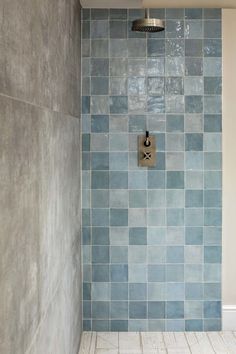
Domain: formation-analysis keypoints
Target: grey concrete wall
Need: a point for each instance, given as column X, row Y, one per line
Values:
column 40, row 261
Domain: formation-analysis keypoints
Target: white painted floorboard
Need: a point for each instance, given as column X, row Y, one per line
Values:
column 158, row 343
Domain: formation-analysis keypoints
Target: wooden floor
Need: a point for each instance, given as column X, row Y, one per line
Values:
column 158, row 342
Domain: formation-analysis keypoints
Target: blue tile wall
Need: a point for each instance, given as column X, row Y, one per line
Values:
column 152, row 237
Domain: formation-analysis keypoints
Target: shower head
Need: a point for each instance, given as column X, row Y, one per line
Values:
column 148, row 24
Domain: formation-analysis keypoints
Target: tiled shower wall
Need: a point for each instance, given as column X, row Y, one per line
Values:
column 152, row 237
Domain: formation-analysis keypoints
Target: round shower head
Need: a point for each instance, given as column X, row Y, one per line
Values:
column 148, row 24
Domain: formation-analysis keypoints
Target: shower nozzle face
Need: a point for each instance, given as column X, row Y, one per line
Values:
column 148, row 24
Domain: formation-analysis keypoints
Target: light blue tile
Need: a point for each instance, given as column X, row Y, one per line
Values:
column 175, row 47
column 193, row 29
column 119, row 291
column 118, row 48
column 212, row 198
column 212, row 123
column 118, row 29
column 212, row 309
column 119, row 254
column 137, row 104
column 156, row 198
column 175, row 217
column 212, row 104
column 193, row 66
column 212, row 325
column 155, row 66
column 138, row 309
column 212, row 67
column 175, row 142
column 212, row 142
column 118, row 180
column 193, row 14
column 174, row 13
column 156, row 235
column 119, row 217
column 137, row 235
column 175, row 180
column 99, row 161
column 137, row 292
column 174, row 66
column 119, row 272
column 137, row 325
column 156, row 309
column 156, row 254
column 156, row 291
column 175, row 254
column 174, row 103
column 137, row 254
column 100, row 273
column 175, row 291
column 99, row 48
column 174, row 273
column 118, row 66
column 137, row 217
column 156, row 104
column 138, row 180
column 119, row 309
column 100, row 291
column 99, row 105
column 118, row 198
column 174, row 161
column 137, row 67
column 194, row 254
column 137, row 86
column 212, row 235
column 174, row 86
column 194, row 325
column 175, row 123
column 175, row 325
column 194, row 179
column 156, row 179
column 99, row 123
column 175, row 309
column 137, row 273
column 118, row 104
column 193, row 198
column 118, row 86
column 137, row 47
column 119, row 325
column 100, row 198
column 194, row 291
column 118, row 161
column 212, row 254
column 193, row 273
column 100, row 254
column 193, row 104
column 100, row 235
column 174, row 28
column 119, row 236
column 100, row 217
column 175, row 198
column 212, row 291
column 193, row 309
column 156, row 273
column 212, row 217
column 194, row 217
column 156, row 217
column 137, row 199
column 137, row 123
column 212, row 272
column 194, row 160
column 193, row 85
column 194, row 235
column 212, row 179
column 212, row 47
column 100, row 309
column 175, row 235
column 118, row 142
column 118, row 123
column 193, row 47
column 118, row 14
column 156, row 48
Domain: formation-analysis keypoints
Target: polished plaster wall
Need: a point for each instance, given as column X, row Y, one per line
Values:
column 40, row 271
column 152, row 237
